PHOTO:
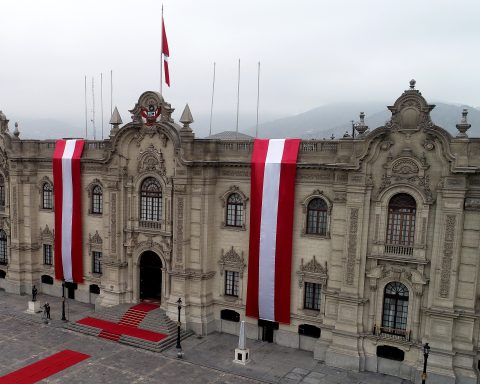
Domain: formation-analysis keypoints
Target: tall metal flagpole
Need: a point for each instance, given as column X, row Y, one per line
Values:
column 161, row 58
column 111, row 92
column 86, row 118
column 213, row 92
column 101, row 99
column 238, row 94
column 258, row 98
column 93, row 110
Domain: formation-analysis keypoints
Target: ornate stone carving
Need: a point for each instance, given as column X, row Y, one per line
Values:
column 46, row 234
column 179, row 258
column 472, row 204
column 313, row 271
column 151, row 160
column 352, row 246
column 232, row 261
column 446, row 266
column 235, row 172
column 14, row 212
column 340, row 197
column 405, row 167
column 96, row 239
column 113, row 223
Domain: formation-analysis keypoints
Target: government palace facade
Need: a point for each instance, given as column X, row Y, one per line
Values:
column 386, row 234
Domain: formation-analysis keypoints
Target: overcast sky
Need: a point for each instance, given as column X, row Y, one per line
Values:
column 311, row 53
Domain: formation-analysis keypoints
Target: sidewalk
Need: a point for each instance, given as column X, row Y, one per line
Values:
column 206, row 359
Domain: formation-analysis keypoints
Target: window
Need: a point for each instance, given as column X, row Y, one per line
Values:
column 312, row 296
column 231, row 283
column 3, row 247
column 97, row 261
column 94, row 288
column 47, row 279
column 234, row 210
column 395, row 309
column 230, row 315
column 317, row 217
column 309, row 330
column 389, row 352
column 97, row 199
column 47, row 193
column 47, row 254
column 401, row 220
column 2, row 192
column 150, row 200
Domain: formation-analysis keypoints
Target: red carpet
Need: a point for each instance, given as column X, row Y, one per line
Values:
column 134, row 316
column 44, row 368
column 118, row 329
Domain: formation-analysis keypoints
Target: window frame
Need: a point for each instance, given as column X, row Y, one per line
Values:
column 396, row 324
column 318, row 225
column 401, row 221
column 47, row 195
column 48, row 256
column 235, row 218
column 97, row 262
column 151, row 202
column 96, row 206
column 313, row 301
column 232, row 283
column 3, row 248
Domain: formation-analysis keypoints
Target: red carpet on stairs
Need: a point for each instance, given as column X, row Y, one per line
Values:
column 44, row 368
column 118, row 329
column 134, row 316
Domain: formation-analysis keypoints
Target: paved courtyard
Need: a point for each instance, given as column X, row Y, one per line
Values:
column 25, row 339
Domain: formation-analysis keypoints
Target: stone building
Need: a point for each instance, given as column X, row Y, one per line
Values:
column 385, row 246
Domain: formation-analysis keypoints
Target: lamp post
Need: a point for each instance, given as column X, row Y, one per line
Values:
column 426, row 351
column 63, row 301
column 178, row 346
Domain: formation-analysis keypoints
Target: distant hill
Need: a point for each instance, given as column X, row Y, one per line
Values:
column 336, row 118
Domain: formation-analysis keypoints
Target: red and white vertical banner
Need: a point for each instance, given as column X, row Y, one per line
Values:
column 68, row 210
column 165, row 53
column 273, row 171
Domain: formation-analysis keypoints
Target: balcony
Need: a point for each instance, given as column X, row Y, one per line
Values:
column 398, row 250
column 392, row 333
column 150, row 224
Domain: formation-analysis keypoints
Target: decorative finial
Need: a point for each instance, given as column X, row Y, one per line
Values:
column 332, row 137
column 186, row 119
column 464, row 126
column 346, row 135
column 2, row 116
column 412, row 84
column 115, row 121
column 360, row 126
column 16, row 132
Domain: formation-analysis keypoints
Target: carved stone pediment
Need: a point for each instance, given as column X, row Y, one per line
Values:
column 232, row 261
column 410, row 113
column 95, row 239
column 313, row 271
column 46, row 234
column 397, row 273
column 150, row 108
column 151, row 160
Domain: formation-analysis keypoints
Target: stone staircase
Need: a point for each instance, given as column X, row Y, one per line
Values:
column 155, row 320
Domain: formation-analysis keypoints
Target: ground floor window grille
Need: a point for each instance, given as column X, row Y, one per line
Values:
column 231, row 283
column 97, row 262
column 312, row 296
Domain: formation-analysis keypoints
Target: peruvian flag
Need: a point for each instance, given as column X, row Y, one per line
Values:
column 274, row 166
column 68, row 213
column 166, row 53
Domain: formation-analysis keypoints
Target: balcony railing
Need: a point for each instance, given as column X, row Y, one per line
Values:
column 392, row 333
column 3, row 261
column 396, row 249
column 150, row 224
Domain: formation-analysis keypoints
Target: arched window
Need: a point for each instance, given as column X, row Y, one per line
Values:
column 395, row 309
column 150, row 200
column 3, row 247
column 234, row 210
column 317, row 217
column 401, row 220
column 47, row 196
column 97, row 199
column 2, row 192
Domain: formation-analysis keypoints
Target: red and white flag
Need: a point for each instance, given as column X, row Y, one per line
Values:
column 166, row 53
column 273, row 170
column 68, row 210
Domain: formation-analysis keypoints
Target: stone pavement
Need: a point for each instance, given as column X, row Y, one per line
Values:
column 24, row 339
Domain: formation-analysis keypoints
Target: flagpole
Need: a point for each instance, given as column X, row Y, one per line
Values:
column 101, row 99
column 238, row 94
column 86, row 118
column 258, row 98
column 213, row 92
column 111, row 92
column 161, row 58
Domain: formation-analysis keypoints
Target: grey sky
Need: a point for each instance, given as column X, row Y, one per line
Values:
column 311, row 53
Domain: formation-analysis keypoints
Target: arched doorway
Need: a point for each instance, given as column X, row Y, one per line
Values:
column 150, row 276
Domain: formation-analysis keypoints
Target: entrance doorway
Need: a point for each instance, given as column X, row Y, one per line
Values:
column 150, row 276
column 267, row 328
column 70, row 287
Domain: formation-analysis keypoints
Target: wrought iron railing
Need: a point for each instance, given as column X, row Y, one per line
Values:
column 150, row 224
column 392, row 333
column 397, row 249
